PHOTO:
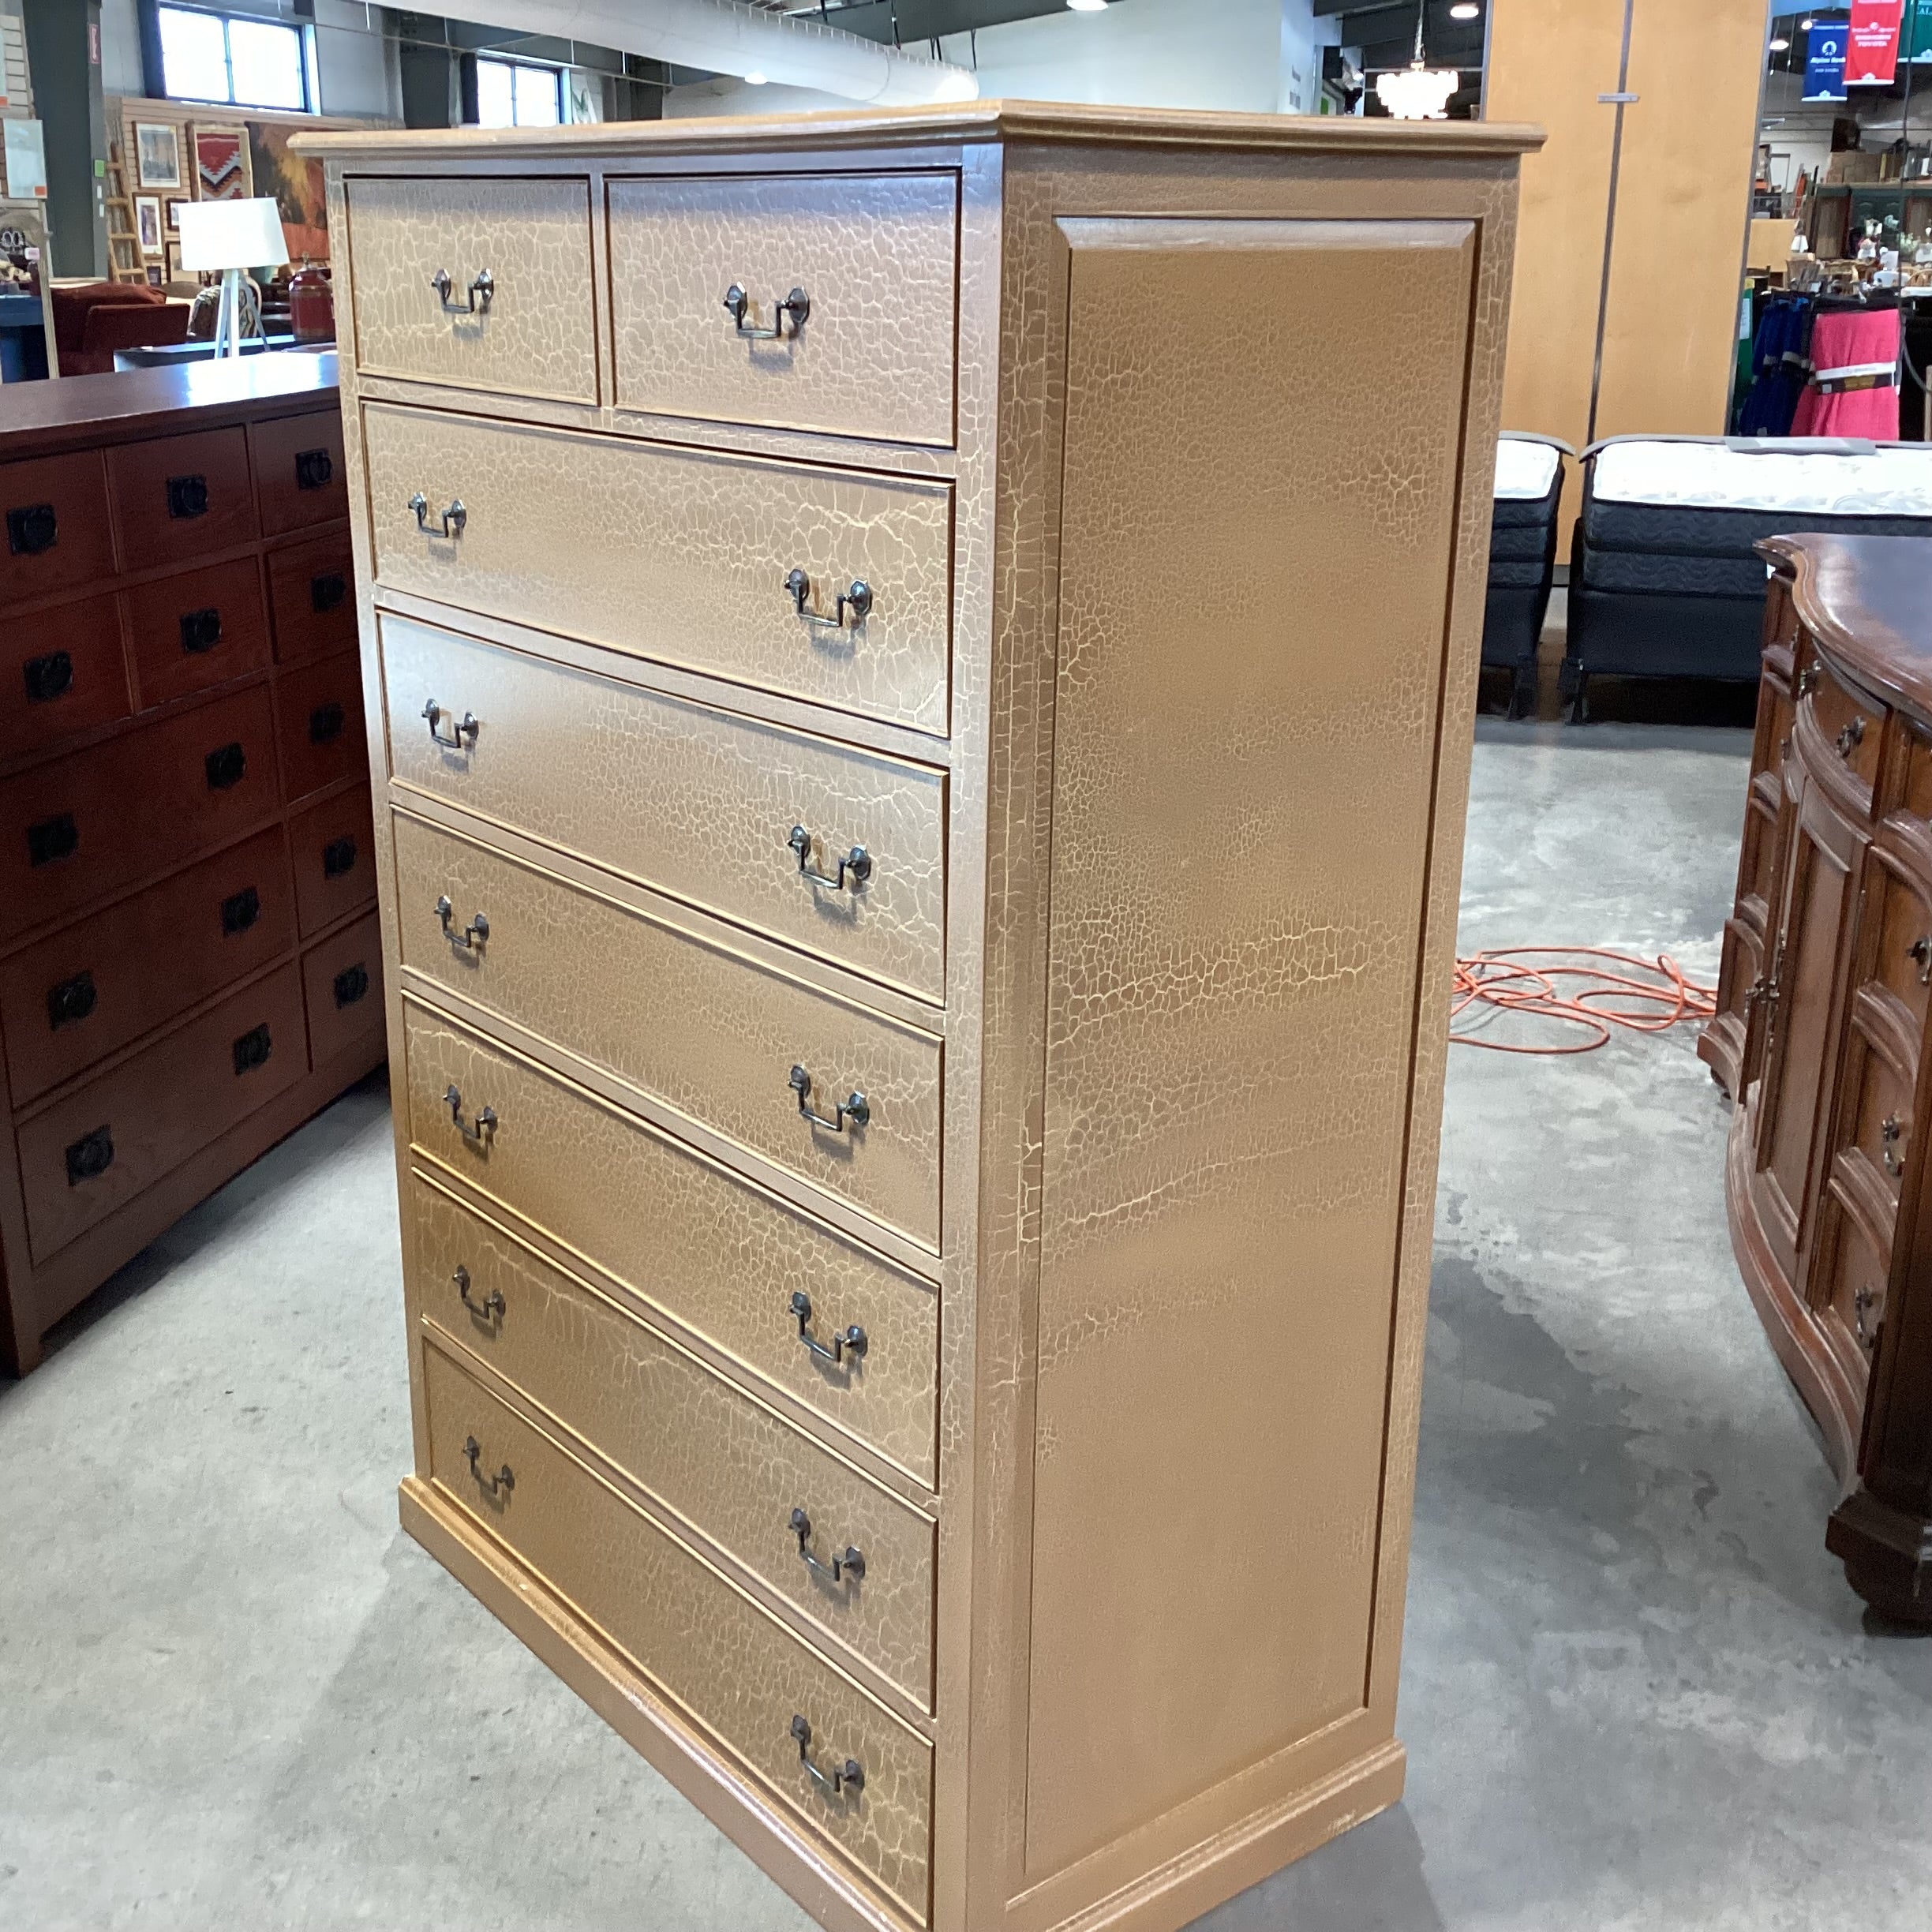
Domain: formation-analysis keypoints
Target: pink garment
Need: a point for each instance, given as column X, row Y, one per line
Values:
column 1848, row 342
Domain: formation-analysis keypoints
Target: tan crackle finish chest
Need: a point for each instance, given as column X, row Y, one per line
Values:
column 922, row 667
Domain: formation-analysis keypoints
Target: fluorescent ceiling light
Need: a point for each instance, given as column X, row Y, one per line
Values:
column 1464, row 9
column 1087, row 6
column 1780, row 46
column 754, row 79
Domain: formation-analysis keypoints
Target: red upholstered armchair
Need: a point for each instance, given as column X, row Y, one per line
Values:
column 91, row 323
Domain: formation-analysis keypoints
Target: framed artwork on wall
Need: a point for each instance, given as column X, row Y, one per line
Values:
column 171, row 216
column 147, row 223
column 157, row 273
column 295, row 180
column 222, row 171
column 157, row 154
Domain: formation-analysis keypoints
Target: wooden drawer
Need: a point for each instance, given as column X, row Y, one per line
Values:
column 1903, row 962
column 679, row 555
column 711, row 1035
column 1850, row 723
column 1854, row 1277
column 197, row 630
column 333, row 844
column 312, row 593
column 739, row 1671
column 718, row 1458
column 342, row 989
column 182, row 496
column 72, row 830
column 696, row 802
column 97, row 986
column 300, row 476
column 536, row 336
column 874, row 254
column 322, row 734
column 65, row 672
column 1876, row 1099
column 94, row 1151
column 58, row 535
column 717, row 1255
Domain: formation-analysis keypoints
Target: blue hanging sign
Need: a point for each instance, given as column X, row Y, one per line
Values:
column 1825, row 42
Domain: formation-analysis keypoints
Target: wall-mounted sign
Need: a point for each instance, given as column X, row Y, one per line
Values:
column 1825, row 42
column 1872, row 58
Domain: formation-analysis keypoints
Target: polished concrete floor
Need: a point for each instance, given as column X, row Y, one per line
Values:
column 1637, row 1693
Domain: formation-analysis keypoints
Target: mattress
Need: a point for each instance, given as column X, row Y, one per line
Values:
column 1524, row 469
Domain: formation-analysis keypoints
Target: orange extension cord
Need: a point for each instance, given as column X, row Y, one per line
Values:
column 1653, row 996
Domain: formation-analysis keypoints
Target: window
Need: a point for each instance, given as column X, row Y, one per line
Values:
column 251, row 63
column 514, row 94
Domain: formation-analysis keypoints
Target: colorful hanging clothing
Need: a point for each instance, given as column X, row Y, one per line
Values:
column 1780, row 357
column 1853, row 390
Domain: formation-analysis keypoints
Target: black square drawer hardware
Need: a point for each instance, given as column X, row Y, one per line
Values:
column 201, row 630
column 32, row 528
column 71, row 1001
column 91, row 1155
column 313, row 468
column 338, row 856
column 240, row 910
column 226, row 765
column 48, row 677
column 253, row 1049
column 325, row 723
column 351, row 984
column 187, row 496
column 57, row 838
column 326, row 591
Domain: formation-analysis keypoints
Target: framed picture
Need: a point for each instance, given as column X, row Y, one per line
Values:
column 222, row 171
column 171, row 216
column 295, row 180
column 147, row 223
column 156, row 275
column 157, row 154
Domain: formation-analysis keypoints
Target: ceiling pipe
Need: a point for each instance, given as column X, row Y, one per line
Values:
column 723, row 37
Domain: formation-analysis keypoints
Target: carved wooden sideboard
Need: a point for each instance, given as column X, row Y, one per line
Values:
column 190, row 966
column 1820, row 1034
column 919, row 978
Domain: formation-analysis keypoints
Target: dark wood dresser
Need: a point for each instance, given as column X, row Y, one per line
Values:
column 1821, row 1031
column 190, row 966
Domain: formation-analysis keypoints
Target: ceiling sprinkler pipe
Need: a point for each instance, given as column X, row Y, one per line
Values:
column 722, row 37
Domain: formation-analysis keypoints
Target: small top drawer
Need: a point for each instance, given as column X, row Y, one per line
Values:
column 58, row 537
column 182, row 496
column 300, row 476
column 809, row 302
column 479, row 284
column 62, row 671
column 1851, row 724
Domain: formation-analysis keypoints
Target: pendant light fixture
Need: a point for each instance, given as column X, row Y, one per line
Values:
column 1418, row 92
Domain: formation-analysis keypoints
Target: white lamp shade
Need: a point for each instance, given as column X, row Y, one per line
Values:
column 231, row 234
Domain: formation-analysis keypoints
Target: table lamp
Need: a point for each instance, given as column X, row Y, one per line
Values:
column 233, row 237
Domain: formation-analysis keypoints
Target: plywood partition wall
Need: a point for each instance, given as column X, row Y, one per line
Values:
column 1683, row 188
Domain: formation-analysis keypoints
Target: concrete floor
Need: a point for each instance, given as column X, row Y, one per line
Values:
column 1637, row 1693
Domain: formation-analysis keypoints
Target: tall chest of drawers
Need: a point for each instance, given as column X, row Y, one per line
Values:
column 923, row 665
column 192, row 964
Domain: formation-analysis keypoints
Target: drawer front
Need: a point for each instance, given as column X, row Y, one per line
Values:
column 311, row 592
column 321, row 730
column 874, row 254
column 334, row 846
column 64, row 672
column 58, row 535
column 716, row 1458
column 736, row 1668
column 1855, row 1282
column 709, row 1033
column 300, row 476
column 342, row 989
column 699, row 802
column 535, row 336
column 182, row 496
column 95, row 986
column 1878, row 1110
column 717, row 1255
column 72, row 830
column 1850, row 723
column 94, row 1151
column 197, row 630
column 679, row 555
column 1904, row 964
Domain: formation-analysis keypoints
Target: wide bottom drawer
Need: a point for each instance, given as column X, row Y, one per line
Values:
column 720, row 1460
column 104, row 1144
column 739, row 1672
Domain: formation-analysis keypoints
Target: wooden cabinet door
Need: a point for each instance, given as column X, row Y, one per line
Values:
column 1823, row 850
